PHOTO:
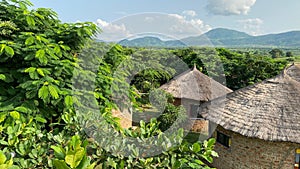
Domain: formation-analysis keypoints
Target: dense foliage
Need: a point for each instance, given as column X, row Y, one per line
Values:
column 49, row 87
column 41, row 60
column 37, row 54
column 238, row 68
column 243, row 68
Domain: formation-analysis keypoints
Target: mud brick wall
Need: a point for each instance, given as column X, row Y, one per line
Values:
column 252, row 153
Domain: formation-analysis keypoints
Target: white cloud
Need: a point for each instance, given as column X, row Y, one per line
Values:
column 252, row 26
column 149, row 19
column 189, row 13
column 184, row 27
column 230, row 7
column 102, row 23
column 174, row 26
column 111, row 31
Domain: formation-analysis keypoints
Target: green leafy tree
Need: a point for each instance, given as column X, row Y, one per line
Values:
column 37, row 57
column 244, row 69
column 289, row 54
column 276, row 53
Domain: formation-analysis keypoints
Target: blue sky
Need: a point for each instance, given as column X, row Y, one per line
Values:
column 179, row 18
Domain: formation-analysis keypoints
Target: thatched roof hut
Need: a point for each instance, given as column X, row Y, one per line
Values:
column 194, row 85
column 269, row 110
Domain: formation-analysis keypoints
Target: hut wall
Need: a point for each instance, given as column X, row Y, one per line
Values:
column 187, row 104
column 252, row 153
column 199, row 125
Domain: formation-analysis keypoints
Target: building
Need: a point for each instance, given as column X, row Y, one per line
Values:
column 192, row 88
column 258, row 126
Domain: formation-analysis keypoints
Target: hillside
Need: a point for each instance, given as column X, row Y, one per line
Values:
column 222, row 37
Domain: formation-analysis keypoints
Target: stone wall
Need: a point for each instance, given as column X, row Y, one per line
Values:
column 252, row 153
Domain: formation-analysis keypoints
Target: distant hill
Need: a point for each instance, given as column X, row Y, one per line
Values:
column 222, row 37
column 151, row 42
column 216, row 37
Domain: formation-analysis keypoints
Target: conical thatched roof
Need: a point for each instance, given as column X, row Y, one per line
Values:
column 269, row 110
column 195, row 85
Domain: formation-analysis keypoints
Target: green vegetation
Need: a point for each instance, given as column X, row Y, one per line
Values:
column 41, row 59
column 52, row 75
column 243, row 69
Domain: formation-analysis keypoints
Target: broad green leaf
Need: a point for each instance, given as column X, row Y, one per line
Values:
column 29, row 41
column 29, row 70
column 199, row 162
column 40, row 53
column 9, row 51
column 53, row 92
column 43, row 92
column 43, row 60
column 214, row 154
column 2, row 117
column 211, row 142
column 38, row 15
column 68, row 101
column 2, row 47
column 23, row 7
column 30, row 21
column 2, row 157
column 196, row 147
column 21, row 109
column 40, row 71
column 13, row 167
column 7, row 107
column 207, row 158
column 85, row 162
column 3, row 142
column 73, row 158
column 40, row 119
column 6, row 78
column 58, row 51
column 2, row 77
column 111, row 162
column 92, row 166
column 59, row 152
column 4, row 166
column 193, row 165
column 60, row 164
column 29, row 57
column 65, row 47
column 76, row 142
column 15, row 115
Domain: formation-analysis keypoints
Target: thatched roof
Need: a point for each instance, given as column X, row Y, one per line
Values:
column 269, row 110
column 195, row 85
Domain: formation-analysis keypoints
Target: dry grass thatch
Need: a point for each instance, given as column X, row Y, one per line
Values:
column 269, row 110
column 195, row 85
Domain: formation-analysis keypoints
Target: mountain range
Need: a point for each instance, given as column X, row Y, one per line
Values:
column 221, row 37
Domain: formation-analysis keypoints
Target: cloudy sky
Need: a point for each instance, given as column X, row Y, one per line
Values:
column 175, row 19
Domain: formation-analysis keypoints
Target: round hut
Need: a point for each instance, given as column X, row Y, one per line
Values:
column 259, row 126
column 192, row 88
